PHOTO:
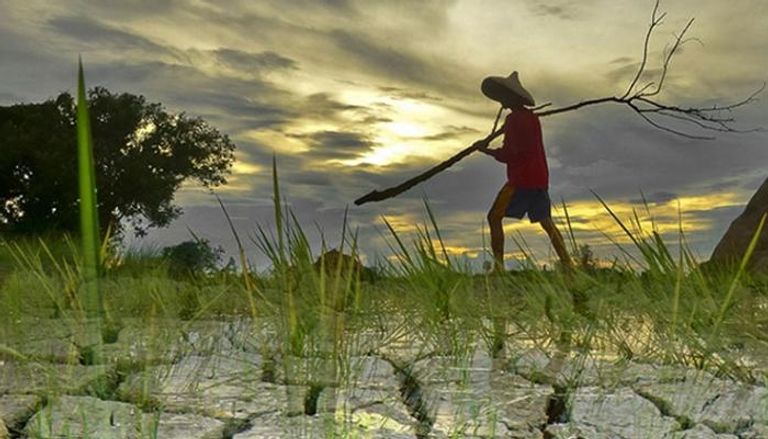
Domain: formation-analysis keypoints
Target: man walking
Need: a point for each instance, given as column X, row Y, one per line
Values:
column 526, row 189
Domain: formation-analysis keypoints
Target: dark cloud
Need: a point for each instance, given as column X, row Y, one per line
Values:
column 323, row 106
column 130, row 9
column 719, row 219
column 618, row 155
column 94, row 33
column 754, row 183
column 335, row 6
column 312, row 179
column 560, row 9
column 554, row 11
column 397, row 64
column 340, row 139
column 337, row 144
column 344, row 5
column 726, row 184
column 236, row 103
column 622, row 60
column 625, row 73
column 254, row 62
column 371, row 119
column 656, row 198
column 388, row 61
column 472, row 186
column 32, row 72
column 401, row 93
column 259, row 114
column 450, row 132
column 323, row 102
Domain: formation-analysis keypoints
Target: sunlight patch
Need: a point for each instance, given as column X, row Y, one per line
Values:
column 277, row 141
column 242, row 167
column 406, row 129
column 383, row 155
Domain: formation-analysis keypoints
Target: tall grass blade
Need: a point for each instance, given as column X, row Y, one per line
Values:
column 244, row 265
column 437, row 232
column 679, row 277
column 278, row 213
column 569, row 224
column 89, row 220
column 616, row 218
column 647, row 252
column 742, row 267
column 403, row 255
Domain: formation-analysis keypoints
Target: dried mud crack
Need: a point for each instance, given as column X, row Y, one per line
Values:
column 412, row 395
column 665, row 409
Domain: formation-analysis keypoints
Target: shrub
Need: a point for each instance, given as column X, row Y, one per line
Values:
column 192, row 258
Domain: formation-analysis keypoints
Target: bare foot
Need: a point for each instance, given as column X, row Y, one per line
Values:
column 493, row 269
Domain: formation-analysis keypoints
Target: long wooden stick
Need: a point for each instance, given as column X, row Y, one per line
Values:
column 397, row 190
column 402, row 187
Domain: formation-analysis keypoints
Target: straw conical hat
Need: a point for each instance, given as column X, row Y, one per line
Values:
column 506, row 89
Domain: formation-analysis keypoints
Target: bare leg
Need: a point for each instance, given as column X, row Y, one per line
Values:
column 563, row 342
column 557, row 242
column 579, row 298
column 497, row 243
column 495, row 217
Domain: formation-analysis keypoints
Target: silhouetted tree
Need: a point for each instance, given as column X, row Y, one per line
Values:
column 142, row 155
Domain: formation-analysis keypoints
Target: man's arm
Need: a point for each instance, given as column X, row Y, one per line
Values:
column 500, row 154
column 509, row 148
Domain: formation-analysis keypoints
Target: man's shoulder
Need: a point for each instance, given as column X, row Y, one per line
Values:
column 524, row 113
column 522, row 117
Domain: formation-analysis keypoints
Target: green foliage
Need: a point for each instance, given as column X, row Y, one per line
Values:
column 142, row 155
column 191, row 258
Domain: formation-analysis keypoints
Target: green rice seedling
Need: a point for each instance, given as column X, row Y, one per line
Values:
column 59, row 286
column 681, row 305
column 89, row 219
column 250, row 287
column 93, row 303
column 303, row 305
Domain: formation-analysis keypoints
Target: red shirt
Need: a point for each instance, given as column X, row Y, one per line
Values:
column 523, row 151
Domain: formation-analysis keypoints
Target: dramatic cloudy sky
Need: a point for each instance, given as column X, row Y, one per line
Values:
column 352, row 95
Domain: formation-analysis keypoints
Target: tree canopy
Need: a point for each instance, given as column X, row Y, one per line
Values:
column 142, row 156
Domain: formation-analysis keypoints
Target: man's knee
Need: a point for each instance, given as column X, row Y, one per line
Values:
column 548, row 225
column 494, row 218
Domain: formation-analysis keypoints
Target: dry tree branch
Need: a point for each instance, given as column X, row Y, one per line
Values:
column 655, row 21
column 642, row 101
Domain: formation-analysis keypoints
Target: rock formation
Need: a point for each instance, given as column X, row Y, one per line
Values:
column 734, row 243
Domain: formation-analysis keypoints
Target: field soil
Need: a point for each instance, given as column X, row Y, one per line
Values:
column 228, row 379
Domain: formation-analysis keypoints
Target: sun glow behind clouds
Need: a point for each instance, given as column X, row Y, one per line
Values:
column 384, row 155
column 243, row 167
column 404, row 129
column 278, row 141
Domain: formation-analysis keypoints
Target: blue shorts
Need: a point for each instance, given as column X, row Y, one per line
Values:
column 534, row 202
